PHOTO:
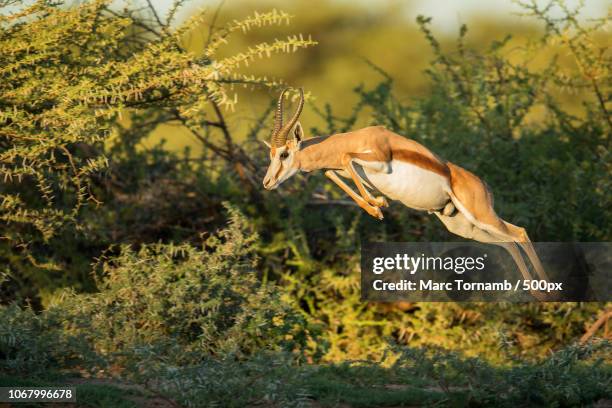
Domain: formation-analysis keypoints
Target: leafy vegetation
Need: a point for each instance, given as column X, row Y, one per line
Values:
column 223, row 351
column 69, row 76
column 175, row 271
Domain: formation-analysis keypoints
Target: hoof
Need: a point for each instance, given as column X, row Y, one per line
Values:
column 449, row 209
column 376, row 213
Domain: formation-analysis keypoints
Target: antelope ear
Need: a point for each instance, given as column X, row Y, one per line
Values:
column 267, row 144
column 298, row 132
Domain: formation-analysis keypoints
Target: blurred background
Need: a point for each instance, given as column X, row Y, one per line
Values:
column 352, row 34
column 138, row 244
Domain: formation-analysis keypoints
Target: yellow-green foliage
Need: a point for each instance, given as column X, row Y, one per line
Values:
column 348, row 33
column 198, row 326
column 179, row 304
column 354, row 329
column 69, row 73
column 80, row 69
column 163, row 304
column 551, row 176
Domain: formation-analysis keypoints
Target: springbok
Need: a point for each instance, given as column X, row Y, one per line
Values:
column 401, row 169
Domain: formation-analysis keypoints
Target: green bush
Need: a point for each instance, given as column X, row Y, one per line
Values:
column 38, row 346
column 161, row 304
column 573, row 376
column 209, row 321
column 34, row 344
column 72, row 77
column 498, row 116
column 179, row 303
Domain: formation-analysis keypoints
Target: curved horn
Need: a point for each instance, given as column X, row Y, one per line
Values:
column 280, row 137
column 296, row 115
column 278, row 120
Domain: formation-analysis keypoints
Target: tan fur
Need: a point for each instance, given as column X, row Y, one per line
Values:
column 383, row 145
column 425, row 162
column 475, row 196
column 469, row 211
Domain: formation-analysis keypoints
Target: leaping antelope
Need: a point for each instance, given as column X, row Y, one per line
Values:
column 401, row 169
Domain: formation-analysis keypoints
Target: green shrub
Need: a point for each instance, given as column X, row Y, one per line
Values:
column 178, row 303
column 73, row 75
column 499, row 116
column 34, row 344
column 161, row 304
column 574, row 376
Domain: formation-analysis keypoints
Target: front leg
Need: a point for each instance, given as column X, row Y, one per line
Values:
column 370, row 209
column 369, row 161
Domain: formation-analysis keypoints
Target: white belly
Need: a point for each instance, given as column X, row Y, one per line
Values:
column 414, row 186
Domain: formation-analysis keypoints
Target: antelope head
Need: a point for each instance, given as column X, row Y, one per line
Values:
column 285, row 143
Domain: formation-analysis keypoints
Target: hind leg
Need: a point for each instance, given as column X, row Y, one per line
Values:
column 520, row 236
column 472, row 197
column 516, row 243
column 460, row 225
column 501, row 230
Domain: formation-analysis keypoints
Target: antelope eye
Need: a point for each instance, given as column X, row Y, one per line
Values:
column 284, row 155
